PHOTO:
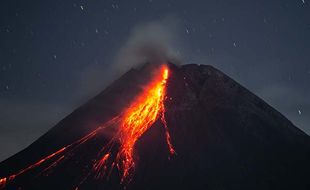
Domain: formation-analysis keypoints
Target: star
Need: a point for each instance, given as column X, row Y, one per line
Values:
column 187, row 31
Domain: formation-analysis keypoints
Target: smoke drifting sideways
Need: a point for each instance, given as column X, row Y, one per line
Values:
column 152, row 42
column 148, row 42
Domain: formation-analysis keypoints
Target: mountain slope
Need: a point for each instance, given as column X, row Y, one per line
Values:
column 225, row 137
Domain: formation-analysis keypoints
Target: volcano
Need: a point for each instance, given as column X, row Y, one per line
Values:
column 166, row 127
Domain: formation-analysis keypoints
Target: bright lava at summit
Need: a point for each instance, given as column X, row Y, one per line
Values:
column 133, row 122
column 139, row 117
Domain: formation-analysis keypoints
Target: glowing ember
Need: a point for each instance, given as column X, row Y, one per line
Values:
column 101, row 164
column 2, row 182
column 147, row 108
column 5, row 180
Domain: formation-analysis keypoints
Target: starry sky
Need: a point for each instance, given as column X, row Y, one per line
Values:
column 54, row 55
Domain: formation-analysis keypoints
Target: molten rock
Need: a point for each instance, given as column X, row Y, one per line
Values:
column 166, row 127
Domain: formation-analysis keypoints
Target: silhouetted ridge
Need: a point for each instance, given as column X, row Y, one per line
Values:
column 225, row 137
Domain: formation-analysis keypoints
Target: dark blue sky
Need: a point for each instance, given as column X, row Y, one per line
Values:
column 54, row 55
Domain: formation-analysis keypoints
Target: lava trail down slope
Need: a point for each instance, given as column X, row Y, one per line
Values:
column 166, row 127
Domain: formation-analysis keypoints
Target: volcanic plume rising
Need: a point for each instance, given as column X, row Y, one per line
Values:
column 132, row 123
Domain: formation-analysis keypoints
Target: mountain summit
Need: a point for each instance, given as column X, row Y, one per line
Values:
column 202, row 131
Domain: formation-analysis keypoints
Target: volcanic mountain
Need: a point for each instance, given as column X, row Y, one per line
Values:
column 184, row 127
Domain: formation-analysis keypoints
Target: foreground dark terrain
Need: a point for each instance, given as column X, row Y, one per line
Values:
column 225, row 137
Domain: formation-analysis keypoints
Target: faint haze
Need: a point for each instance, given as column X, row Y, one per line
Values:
column 56, row 55
column 153, row 42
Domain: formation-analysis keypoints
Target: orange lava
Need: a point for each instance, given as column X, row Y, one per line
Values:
column 5, row 180
column 101, row 163
column 138, row 118
column 133, row 122
column 2, row 182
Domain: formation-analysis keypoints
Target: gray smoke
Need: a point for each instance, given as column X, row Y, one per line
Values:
column 153, row 42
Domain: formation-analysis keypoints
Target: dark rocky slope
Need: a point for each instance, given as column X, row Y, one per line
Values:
column 225, row 138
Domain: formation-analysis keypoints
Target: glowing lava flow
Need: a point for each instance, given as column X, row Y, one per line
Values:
column 140, row 116
column 65, row 152
column 132, row 123
column 147, row 108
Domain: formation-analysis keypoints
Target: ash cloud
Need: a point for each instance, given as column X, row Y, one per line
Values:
column 153, row 42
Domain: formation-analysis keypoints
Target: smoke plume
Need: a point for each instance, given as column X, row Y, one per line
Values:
column 153, row 42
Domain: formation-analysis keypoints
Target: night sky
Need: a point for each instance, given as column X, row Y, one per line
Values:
column 54, row 55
